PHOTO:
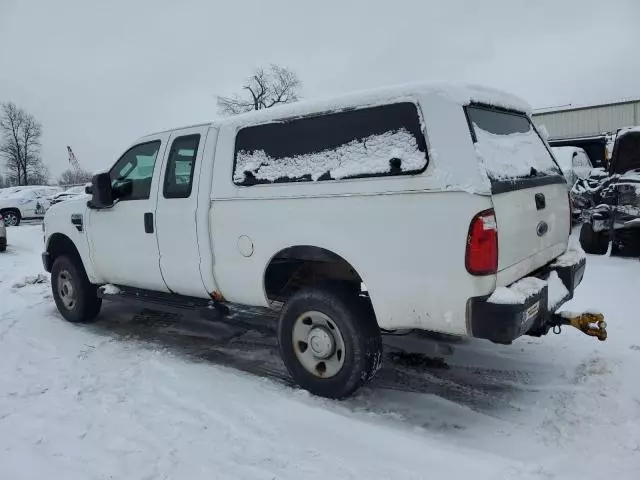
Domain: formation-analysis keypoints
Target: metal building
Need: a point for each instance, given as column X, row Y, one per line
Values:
column 588, row 126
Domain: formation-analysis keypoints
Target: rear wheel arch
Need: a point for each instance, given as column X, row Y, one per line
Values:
column 297, row 266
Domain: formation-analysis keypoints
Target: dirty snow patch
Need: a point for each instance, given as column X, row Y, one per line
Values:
column 31, row 280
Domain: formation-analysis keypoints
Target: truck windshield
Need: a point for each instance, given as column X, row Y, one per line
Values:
column 508, row 146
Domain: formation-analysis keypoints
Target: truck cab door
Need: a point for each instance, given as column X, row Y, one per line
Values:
column 124, row 246
column 177, row 218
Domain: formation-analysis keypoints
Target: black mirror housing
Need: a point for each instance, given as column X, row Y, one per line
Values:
column 101, row 193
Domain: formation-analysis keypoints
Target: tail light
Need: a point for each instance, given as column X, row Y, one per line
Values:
column 482, row 244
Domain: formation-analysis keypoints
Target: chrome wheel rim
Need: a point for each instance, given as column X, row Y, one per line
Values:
column 10, row 219
column 318, row 344
column 66, row 291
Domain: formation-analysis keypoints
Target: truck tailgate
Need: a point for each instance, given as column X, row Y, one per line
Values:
column 530, row 221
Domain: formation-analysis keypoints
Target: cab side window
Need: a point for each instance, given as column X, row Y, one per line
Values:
column 178, row 180
column 131, row 175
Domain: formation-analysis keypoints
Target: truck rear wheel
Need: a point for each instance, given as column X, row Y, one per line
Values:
column 75, row 297
column 593, row 242
column 329, row 341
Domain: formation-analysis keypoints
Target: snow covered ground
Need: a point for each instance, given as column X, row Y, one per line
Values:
column 140, row 395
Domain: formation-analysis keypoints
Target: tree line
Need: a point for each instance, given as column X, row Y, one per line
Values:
column 20, row 143
column 21, row 132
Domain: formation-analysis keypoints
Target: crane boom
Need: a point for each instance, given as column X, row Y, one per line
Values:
column 72, row 159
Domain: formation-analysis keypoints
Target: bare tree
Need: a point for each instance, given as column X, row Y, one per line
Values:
column 20, row 134
column 38, row 173
column 264, row 89
column 72, row 176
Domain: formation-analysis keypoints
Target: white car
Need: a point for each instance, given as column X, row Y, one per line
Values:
column 67, row 194
column 26, row 203
column 422, row 207
column 574, row 162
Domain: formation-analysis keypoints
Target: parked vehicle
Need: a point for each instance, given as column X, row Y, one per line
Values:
column 3, row 235
column 610, row 202
column 574, row 162
column 379, row 212
column 27, row 203
column 67, row 194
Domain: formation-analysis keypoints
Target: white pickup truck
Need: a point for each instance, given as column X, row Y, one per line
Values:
column 426, row 207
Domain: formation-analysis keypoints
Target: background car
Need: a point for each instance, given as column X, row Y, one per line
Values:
column 574, row 162
column 24, row 204
column 71, row 192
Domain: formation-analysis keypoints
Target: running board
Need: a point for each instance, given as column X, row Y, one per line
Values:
column 206, row 308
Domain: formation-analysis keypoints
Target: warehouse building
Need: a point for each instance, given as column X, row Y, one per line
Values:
column 591, row 127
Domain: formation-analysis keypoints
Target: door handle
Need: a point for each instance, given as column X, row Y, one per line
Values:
column 148, row 222
column 541, row 202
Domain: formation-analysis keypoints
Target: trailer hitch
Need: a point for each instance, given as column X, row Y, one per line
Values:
column 591, row 324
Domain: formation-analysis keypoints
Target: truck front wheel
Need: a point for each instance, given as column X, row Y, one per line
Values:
column 75, row 297
column 593, row 242
column 329, row 341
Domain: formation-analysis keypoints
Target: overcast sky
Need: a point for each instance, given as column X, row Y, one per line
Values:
column 99, row 74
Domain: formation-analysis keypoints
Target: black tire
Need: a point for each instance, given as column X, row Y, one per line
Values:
column 595, row 243
column 12, row 218
column 86, row 307
column 359, row 332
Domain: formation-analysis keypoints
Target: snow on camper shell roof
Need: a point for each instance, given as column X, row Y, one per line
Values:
column 460, row 94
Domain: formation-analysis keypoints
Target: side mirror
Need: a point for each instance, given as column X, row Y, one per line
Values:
column 101, row 193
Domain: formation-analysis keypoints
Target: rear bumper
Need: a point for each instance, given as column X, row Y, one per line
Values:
column 526, row 306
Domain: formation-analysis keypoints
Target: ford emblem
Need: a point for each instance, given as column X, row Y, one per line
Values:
column 542, row 229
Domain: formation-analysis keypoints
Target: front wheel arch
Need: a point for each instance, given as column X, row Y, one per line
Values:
column 59, row 244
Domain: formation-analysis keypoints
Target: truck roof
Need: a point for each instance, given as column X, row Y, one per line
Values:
column 461, row 94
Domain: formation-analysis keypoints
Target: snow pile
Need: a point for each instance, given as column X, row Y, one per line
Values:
column 110, row 289
column 512, row 156
column 519, row 292
column 375, row 154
